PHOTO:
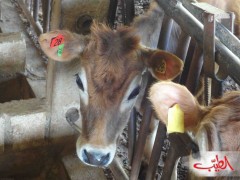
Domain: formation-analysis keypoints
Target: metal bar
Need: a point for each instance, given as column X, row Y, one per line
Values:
column 209, row 45
column 224, row 35
column 181, row 52
column 229, row 23
column 217, row 89
column 208, row 54
column 35, row 10
column 195, row 29
column 176, row 140
column 195, row 70
column 132, row 134
column 156, row 151
column 183, row 44
column 28, row 15
column 143, row 133
column 112, row 12
column 130, row 11
column 187, row 62
column 46, row 8
column 51, row 68
column 165, row 33
column 122, row 3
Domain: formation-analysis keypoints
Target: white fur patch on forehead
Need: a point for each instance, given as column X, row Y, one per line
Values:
column 133, row 86
column 83, row 92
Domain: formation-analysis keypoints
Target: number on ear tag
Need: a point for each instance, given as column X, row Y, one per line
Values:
column 56, row 41
column 161, row 67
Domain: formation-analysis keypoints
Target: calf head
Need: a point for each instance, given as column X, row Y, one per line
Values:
column 215, row 127
column 112, row 63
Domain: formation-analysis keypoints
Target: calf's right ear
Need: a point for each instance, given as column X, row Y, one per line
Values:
column 62, row 45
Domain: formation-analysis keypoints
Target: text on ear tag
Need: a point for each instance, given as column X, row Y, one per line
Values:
column 56, row 41
column 161, row 68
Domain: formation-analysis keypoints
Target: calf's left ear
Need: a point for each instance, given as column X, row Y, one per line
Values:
column 163, row 65
column 62, row 45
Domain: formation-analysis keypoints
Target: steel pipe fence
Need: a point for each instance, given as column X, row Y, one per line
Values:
column 32, row 9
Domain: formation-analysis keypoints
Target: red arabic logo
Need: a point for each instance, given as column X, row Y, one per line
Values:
column 217, row 165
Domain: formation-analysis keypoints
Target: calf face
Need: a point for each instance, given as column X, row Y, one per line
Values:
column 110, row 77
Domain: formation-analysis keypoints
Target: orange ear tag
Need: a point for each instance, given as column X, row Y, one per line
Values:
column 56, row 41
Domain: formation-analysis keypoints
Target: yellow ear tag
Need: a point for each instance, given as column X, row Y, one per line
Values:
column 175, row 120
column 161, row 67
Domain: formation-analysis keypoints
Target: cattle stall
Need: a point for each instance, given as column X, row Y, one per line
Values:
column 33, row 126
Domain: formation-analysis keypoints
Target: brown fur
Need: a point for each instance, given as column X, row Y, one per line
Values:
column 110, row 59
column 221, row 120
column 224, row 113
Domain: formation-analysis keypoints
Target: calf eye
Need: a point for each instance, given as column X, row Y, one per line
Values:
column 134, row 93
column 79, row 82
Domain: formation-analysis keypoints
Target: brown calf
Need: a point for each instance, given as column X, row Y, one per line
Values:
column 112, row 67
column 215, row 128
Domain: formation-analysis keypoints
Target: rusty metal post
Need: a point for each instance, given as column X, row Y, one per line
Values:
column 208, row 54
column 195, row 70
column 165, row 33
column 156, row 151
column 143, row 133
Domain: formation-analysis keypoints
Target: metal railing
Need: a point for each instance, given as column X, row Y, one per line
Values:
column 32, row 9
column 220, row 41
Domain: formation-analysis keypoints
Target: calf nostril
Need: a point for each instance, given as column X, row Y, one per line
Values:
column 95, row 158
column 86, row 157
column 105, row 159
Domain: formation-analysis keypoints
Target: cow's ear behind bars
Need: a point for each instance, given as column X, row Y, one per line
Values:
column 163, row 65
column 62, row 45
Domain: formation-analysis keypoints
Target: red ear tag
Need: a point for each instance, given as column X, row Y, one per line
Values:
column 56, row 41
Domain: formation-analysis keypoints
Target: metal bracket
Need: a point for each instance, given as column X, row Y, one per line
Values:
column 212, row 14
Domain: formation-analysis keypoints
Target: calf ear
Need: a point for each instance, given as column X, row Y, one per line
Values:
column 62, row 45
column 163, row 65
column 164, row 95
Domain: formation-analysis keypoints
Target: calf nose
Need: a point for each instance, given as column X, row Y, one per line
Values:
column 95, row 158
